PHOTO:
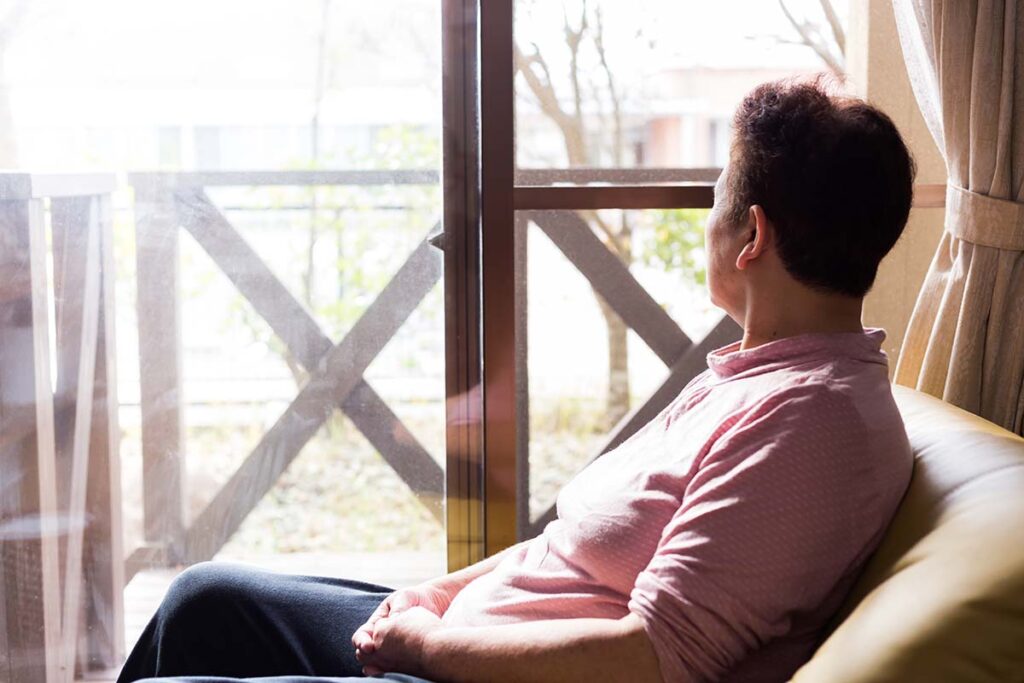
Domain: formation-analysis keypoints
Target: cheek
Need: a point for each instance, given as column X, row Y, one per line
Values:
column 720, row 263
column 715, row 249
column 717, row 278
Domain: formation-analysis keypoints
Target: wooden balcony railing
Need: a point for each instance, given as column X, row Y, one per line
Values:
column 335, row 371
column 60, row 505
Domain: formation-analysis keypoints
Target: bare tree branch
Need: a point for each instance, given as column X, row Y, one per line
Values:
column 547, row 98
column 833, row 21
column 539, row 60
column 809, row 39
column 572, row 122
column 612, row 90
column 601, row 117
column 540, row 87
column 573, row 39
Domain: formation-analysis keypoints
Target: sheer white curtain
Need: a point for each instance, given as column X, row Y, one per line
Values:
column 965, row 341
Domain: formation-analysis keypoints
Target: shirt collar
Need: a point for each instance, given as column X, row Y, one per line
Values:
column 799, row 349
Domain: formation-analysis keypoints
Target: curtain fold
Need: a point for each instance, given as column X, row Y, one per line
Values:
column 965, row 339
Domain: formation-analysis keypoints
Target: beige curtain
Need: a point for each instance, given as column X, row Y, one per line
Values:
column 965, row 341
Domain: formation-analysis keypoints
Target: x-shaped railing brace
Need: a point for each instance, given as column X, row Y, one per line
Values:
column 335, row 375
column 335, row 371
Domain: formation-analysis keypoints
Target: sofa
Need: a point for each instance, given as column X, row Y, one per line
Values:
column 943, row 597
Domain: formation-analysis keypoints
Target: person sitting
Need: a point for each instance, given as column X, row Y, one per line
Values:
column 716, row 542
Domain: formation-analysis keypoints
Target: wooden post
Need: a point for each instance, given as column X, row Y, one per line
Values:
column 159, row 314
column 83, row 294
column 103, row 562
column 30, row 631
column 76, row 519
column 69, row 221
column 69, row 218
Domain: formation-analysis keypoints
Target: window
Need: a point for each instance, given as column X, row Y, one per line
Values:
column 246, row 275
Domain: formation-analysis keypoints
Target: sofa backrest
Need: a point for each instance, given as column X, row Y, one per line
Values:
column 943, row 597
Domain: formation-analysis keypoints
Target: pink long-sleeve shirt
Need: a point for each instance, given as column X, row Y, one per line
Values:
column 734, row 523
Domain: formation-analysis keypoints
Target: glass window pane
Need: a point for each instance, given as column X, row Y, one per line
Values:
column 616, row 84
column 267, row 330
column 603, row 334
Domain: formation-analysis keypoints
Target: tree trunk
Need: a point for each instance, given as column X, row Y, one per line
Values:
column 571, row 123
column 617, row 399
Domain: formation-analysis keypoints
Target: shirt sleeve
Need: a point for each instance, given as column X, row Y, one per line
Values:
column 766, row 528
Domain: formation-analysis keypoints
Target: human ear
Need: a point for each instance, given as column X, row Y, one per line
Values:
column 758, row 228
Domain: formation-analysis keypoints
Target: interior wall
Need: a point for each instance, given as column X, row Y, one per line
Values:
column 877, row 73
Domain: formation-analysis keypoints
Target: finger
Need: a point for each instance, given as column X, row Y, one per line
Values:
column 371, row 671
column 363, row 640
column 378, row 633
column 383, row 610
column 402, row 601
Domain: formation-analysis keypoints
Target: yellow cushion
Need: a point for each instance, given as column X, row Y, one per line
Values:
column 943, row 598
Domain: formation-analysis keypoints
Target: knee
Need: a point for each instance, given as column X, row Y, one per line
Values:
column 200, row 590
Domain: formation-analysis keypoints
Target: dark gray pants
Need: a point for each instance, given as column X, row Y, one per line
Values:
column 221, row 621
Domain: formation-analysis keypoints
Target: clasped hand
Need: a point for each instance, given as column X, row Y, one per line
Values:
column 395, row 635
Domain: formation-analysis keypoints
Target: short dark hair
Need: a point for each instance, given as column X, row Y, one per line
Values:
column 832, row 174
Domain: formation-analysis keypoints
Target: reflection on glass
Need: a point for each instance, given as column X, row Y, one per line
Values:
column 278, row 362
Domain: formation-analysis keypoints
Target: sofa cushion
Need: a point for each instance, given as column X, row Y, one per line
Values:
column 943, row 597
